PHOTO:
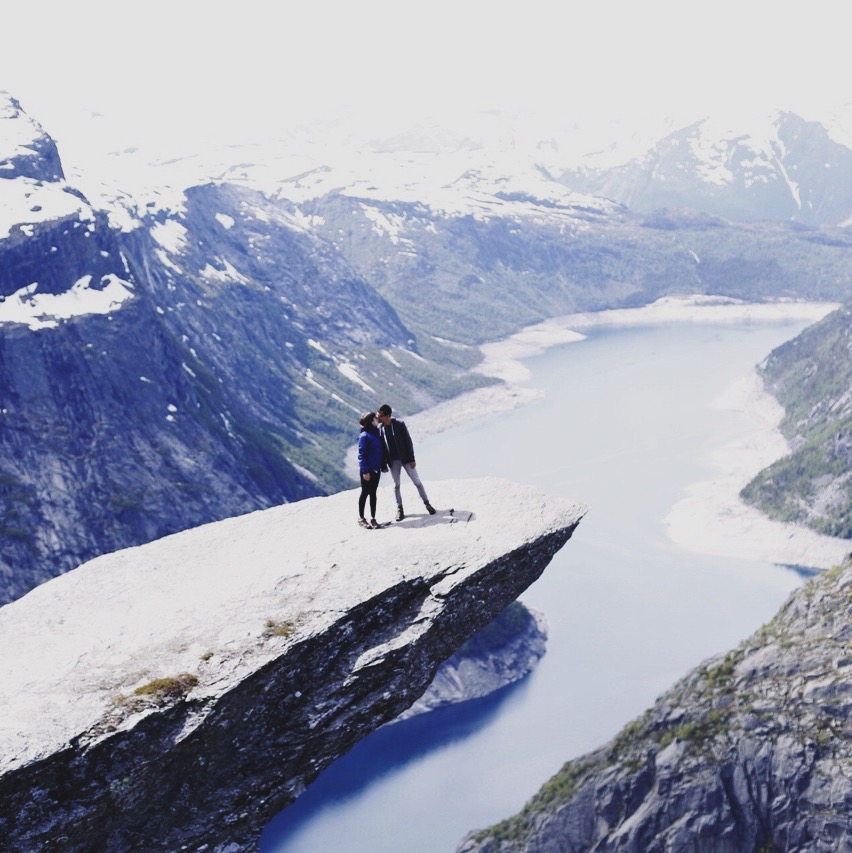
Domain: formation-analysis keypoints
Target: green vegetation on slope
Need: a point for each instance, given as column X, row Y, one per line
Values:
column 812, row 378
column 783, row 692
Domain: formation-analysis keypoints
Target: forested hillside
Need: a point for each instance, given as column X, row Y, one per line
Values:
column 812, row 378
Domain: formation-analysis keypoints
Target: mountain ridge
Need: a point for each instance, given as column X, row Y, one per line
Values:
column 339, row 299
column 790, row 169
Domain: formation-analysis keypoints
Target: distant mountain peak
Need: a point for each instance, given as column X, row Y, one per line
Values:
column 25, row 149
column 773, row 167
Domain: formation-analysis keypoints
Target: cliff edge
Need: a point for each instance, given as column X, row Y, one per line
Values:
column 177, row 694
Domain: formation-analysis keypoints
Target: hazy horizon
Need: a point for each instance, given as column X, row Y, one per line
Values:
column 178, row 76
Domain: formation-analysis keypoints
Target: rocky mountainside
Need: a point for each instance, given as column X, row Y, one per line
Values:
column 787, row 169
column 176, row 695
column 197, row 363
column 750, row 752
column 27, row 151
column 471, row 277
column 186, row 355
column 812, row 378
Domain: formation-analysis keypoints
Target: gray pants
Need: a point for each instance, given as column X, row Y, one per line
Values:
column 396, row 471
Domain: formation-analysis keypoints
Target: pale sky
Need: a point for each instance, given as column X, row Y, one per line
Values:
column 234, row 69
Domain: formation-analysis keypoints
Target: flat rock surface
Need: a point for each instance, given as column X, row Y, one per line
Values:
column 207, row 600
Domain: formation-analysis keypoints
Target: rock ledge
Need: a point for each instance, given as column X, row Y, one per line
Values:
column 176, row 695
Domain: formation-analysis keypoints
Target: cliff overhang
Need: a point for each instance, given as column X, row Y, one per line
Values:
column 178, row 694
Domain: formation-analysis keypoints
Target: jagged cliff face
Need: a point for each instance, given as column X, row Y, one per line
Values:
column 115, row 429
column 199, row 362
column 27, row 152
column 751, row 751
column 176, row 695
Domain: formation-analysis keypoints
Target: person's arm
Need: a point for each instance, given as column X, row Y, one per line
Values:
column 385, row 452
column 409, row 444
column 362, row 460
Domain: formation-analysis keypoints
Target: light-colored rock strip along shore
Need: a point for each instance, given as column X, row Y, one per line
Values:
column 711, row 518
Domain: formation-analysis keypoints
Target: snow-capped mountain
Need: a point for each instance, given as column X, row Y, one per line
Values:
column 188, row 338
column 27, row 151
column 784, row 168
column 199, row 361
column 41, row 217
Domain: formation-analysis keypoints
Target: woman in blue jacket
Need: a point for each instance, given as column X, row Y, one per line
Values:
column 370, row 467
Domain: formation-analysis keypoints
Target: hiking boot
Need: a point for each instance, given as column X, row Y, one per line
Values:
column 374, row 524
column 430, row 509
column 364, row 523
column 399, row 514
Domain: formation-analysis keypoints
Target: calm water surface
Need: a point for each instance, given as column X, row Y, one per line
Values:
column 625, row 426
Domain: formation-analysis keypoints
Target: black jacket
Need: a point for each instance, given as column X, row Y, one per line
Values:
column 404, row 447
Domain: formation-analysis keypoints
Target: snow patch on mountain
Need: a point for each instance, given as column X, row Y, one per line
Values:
column 385, row 223
column 171, row 235
column 25, row 203
column 350, row 372
column 45, row 310
column 228, row 274
column 17, row 132
column 464, row 179
column 318, row 347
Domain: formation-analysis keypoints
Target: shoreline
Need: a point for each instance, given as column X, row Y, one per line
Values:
column 503, row 358
column 711, row 519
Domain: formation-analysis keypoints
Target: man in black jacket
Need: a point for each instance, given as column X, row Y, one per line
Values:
column 400, row 454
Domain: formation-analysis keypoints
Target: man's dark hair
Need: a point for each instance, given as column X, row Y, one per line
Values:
column 385, row 410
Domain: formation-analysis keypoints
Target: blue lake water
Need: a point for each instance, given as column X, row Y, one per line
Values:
column 625, row 426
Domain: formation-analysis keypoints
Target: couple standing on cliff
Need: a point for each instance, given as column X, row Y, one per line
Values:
column 385, row 443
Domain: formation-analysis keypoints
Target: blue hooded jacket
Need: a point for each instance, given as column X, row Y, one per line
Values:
column 369, row 451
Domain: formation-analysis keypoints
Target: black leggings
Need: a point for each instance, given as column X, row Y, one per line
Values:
column 368, row 490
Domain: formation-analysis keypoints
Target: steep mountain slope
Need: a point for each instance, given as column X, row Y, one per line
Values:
column 206, row 361
column 476, row 276
column 750, row 752
column 27, row 152
column 812, row 378
column 787, row 169
column 204, row 350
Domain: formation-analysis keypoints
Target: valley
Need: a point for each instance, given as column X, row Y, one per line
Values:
column 199, row 345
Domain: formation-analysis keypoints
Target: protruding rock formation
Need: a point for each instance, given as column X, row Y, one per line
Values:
column 177, row 694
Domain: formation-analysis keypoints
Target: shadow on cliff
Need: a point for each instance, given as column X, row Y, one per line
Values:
column 442, row 516
column 383, row 752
